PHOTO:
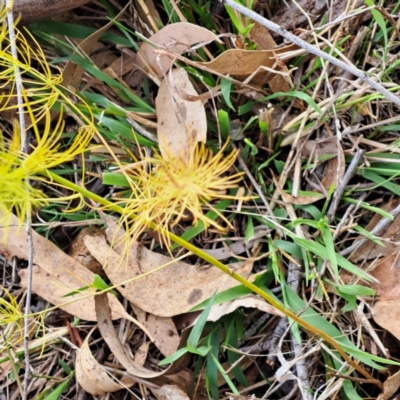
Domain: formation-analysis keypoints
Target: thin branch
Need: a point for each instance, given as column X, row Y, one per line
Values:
column 17, row 74
column 24, row 148
column 382, row 224
column 142, row 131
column 313, row 50
column 342, row 185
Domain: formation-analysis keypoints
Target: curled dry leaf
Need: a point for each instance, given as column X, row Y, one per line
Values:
column 176, row 38
column 249, row 301
column 93, row 377
column 386, row 311
column 55, row 274
column 390, row 387
column 180, row 123
column 243, row 63
column 169, row 291
column 140, row 373
column 261, row 36
column 369, row 249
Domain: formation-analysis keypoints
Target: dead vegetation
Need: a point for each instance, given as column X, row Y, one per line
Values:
column 194, row 207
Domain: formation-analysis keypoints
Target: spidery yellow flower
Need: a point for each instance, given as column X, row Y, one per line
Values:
column 166, row 190
column 18, row 170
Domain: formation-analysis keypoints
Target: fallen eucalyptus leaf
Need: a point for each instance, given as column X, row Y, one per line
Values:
column 181, row 124
column 176, row 38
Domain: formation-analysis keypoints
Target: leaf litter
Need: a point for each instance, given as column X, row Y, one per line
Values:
column 320, row 113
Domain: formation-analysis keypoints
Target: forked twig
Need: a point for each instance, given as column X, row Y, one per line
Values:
column 313, row 50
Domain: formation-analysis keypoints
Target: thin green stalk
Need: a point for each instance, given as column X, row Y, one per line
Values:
column 198, row 252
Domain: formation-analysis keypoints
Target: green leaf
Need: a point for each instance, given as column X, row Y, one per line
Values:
column 330, row 247
column 368, row 234
column 321, row 251
column 224, row 123
column 195, row 334
column 356, row 290
column 201, row 351
column 115, row 180
column 295, row 93
column 173, row 357
column 381, row 22
column 226, row 85
column 59, row 390
column 233, row 356
column 314, row 318
column 386, row 183
column 213, row 341
column 261, row 281
column 249, row 231
column 65, row 366
column 80, row 290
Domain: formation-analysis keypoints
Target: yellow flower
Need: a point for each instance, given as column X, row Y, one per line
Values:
column 11, row 322
column 18, row 170
column 166, row 190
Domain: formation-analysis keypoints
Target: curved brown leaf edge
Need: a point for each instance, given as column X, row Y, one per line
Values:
column 156, row 283
column 386, row 311
column 181, row 124
column 174, row 379
column 175, row 38
column 34, row 10
column 55, row 274
column 96, row 380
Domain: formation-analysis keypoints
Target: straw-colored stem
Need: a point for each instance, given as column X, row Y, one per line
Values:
column 198, row 252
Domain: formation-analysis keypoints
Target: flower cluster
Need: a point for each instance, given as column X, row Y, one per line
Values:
column 166, row 190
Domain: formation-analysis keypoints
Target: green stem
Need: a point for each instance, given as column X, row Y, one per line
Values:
column 198, row 252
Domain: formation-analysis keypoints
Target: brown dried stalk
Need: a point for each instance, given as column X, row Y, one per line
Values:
column 33, row 10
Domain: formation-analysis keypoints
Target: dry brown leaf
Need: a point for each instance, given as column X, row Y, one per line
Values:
column 55, row 274
column 387, row 309
column 180, row 123
column 176, row 38
column 390, row 387
column 261, row 36
column 110, row 336
column 170, row 392
column 369, row 249
column 93, row 377
column 141, row 353
column 162, row 329
column 170, row 291
column 243, row 63
column 249, row 301
column 139, row 372
column 79, row 252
